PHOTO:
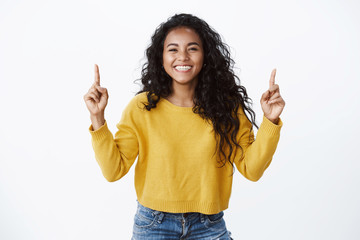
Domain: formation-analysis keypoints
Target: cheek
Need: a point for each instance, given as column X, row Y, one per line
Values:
column 167, row 63
column 200, row 60
column 167, row 59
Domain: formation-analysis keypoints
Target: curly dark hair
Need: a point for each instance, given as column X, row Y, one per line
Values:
column 218, row 96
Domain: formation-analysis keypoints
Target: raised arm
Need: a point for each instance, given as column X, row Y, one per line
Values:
column 116, row 155
column 257, row 153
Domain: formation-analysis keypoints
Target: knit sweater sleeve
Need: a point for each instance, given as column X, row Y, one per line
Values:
column 116, row 155
column 256, row 154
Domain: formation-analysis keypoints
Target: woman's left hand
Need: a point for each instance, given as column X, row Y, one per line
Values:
column 271, row 101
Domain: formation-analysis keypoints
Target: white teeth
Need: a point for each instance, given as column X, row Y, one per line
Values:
column 183, row 68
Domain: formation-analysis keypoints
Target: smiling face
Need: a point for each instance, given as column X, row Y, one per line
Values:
column 183, row 56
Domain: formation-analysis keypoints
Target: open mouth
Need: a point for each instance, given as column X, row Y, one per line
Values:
column 183, row 68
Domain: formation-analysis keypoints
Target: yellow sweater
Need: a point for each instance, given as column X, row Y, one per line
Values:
column 177, row 170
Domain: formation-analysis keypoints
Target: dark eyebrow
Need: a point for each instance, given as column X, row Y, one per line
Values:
column 193, row 43
column 176, row 45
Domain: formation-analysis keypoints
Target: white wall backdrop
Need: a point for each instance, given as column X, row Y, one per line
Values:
column 50, row 184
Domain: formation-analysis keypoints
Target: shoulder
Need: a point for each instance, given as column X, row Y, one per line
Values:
column 241, row 113
column 141, row 96
column 137, row 102
column 134, row 109
column 244, row 119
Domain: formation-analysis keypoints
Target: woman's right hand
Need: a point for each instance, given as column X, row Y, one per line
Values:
column 96, row 99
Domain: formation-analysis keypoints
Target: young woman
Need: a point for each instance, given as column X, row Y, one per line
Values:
column 188, row 126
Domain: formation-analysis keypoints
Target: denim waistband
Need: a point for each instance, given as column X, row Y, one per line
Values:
column 188, row 216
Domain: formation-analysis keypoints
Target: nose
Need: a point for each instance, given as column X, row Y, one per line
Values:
column 183, row 55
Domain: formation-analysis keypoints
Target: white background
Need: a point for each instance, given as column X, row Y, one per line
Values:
column 50, row 184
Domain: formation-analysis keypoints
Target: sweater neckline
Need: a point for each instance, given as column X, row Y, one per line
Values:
column 172, row 106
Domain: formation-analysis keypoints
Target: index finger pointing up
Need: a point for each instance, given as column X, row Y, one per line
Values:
column 272, row 78
column 97, row 75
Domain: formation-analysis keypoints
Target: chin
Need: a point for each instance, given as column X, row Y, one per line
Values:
column 183, row 81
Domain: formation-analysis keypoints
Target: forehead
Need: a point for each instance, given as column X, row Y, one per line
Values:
column 182, row 35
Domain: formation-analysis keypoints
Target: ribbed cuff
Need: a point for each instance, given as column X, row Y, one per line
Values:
column 100, row 133
column 270, row 128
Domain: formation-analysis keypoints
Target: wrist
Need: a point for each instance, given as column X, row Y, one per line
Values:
column 273, row 120
column 97, row 121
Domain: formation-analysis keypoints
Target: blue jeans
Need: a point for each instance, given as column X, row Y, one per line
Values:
column 150, row 224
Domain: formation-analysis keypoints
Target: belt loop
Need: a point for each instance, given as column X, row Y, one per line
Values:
column 202, row 219
column 161, row 216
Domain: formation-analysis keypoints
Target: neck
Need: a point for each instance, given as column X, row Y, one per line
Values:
column 182, row 95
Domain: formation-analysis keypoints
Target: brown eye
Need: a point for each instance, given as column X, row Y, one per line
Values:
column 193, row 49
